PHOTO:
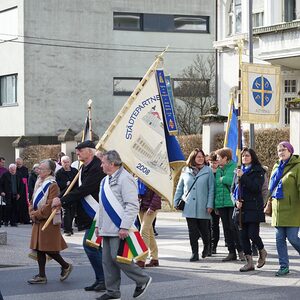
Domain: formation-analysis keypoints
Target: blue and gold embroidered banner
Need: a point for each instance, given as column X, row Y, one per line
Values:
column 260, row 93
column 167, row 102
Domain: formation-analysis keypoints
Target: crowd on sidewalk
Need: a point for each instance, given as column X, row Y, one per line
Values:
column 211, row 188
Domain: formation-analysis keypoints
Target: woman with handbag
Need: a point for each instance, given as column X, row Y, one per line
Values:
column 249, row 201
column 196, row 187
column 284, row 188
column 50, row 241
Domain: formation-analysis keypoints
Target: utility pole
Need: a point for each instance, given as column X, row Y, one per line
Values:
column 250, row 47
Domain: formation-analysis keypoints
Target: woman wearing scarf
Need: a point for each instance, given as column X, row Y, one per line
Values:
column 199, row 201
column 249, row 199
column 49, row 241
column 285, row 191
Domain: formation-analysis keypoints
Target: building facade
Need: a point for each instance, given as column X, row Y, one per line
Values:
column 55, row 55
column 276, row 40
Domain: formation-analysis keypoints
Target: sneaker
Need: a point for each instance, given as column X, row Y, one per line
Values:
column 140, row 290
column 107, row 297
column 37, row 279
column 66, row 272
column 282, row 271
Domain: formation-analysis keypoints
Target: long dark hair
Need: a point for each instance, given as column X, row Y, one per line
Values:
column 254, row 158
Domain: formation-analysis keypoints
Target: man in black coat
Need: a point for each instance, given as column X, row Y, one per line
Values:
column 89, row 182
column 64, row 177
column 10, row 187
column 22, row 171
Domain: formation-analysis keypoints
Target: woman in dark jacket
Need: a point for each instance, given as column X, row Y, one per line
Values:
column 249, row 199
column 32, row 179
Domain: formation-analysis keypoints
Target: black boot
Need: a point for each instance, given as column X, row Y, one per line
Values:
column 206, row 251
column 194, row 257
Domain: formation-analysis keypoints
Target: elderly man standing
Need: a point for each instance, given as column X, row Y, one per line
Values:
column 10, row 186
column 87, row 190
column 119, row 207
column 64, row 177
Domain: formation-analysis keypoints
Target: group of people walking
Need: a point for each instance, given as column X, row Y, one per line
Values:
column 216, row 189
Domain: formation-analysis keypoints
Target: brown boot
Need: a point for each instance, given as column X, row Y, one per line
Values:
column 262, row 258
column 153, row 263
column 249, row 266
column 230, row 257
column 140, row 263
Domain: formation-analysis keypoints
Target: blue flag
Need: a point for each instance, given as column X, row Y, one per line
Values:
column 231, row 135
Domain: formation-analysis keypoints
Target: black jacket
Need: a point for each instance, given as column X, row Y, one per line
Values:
column 31, row 183
column 251, row 193
column 62, row 177
column 91, row 176
column 5, row 186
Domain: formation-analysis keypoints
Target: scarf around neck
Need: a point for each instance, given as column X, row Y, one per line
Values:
column 276, row 188
column 237, row 193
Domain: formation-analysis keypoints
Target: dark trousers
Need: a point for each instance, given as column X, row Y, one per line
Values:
column 10, row 211
column 69, row 214
column 215, row 229
column 197, row 228
column 231, row 233
column 250, row 231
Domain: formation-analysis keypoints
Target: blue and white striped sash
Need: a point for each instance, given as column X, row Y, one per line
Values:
column 40, row 193
column 90, row 205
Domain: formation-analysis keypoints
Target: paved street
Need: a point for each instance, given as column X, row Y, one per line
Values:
column 176, row 278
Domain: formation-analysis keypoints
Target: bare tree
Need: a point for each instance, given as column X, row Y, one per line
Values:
column 194, row 94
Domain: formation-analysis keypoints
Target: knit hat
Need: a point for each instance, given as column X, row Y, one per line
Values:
column 287, row 145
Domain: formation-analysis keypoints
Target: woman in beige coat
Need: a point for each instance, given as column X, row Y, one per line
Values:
column 49, row 241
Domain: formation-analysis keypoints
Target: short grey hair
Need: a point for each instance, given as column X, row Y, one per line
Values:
column 12, row 166
column 51, row 165
column 113, row 157
column 65, row 157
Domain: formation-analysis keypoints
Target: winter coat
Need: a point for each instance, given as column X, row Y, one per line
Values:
column 5, row 186
column 224, row 180
column 50, row 239
column 125, row 190
column 150, row 200
column 200, row 197
column 251, row 184
column 91, row 176
column 286, row 211
column 31, row 183
column 62, row 177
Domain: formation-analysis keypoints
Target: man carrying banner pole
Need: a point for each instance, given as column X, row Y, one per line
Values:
column 118, row 209
column 90, row 177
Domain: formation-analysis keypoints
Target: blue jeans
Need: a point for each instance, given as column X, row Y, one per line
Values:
column 95, row 257
column 291, row 233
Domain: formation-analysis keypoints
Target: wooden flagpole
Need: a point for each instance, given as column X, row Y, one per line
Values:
column 89, row 103
column 239, row 163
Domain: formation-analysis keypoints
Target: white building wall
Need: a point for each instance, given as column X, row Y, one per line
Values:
column 12, row 62
column 60, row 80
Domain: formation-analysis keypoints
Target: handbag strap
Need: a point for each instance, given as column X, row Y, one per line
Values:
column 191, row 187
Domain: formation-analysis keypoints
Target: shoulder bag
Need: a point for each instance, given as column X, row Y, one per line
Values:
column 181, row 203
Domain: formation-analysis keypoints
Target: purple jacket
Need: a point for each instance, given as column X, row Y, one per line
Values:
column 150, row 200
column 2, row 171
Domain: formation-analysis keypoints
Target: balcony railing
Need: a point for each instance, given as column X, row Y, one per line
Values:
column 277, row 27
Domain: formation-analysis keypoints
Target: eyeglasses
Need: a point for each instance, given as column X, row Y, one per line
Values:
column 282, row 150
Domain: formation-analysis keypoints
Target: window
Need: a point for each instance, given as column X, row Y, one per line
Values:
column 290, row 86
column 127, row 21
column 161, row 22
column 124, row 86
column 8, row 90
column 289, row 10
column 287, row 110
column 258, row 19
column 9, row 23
column 238, row 16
